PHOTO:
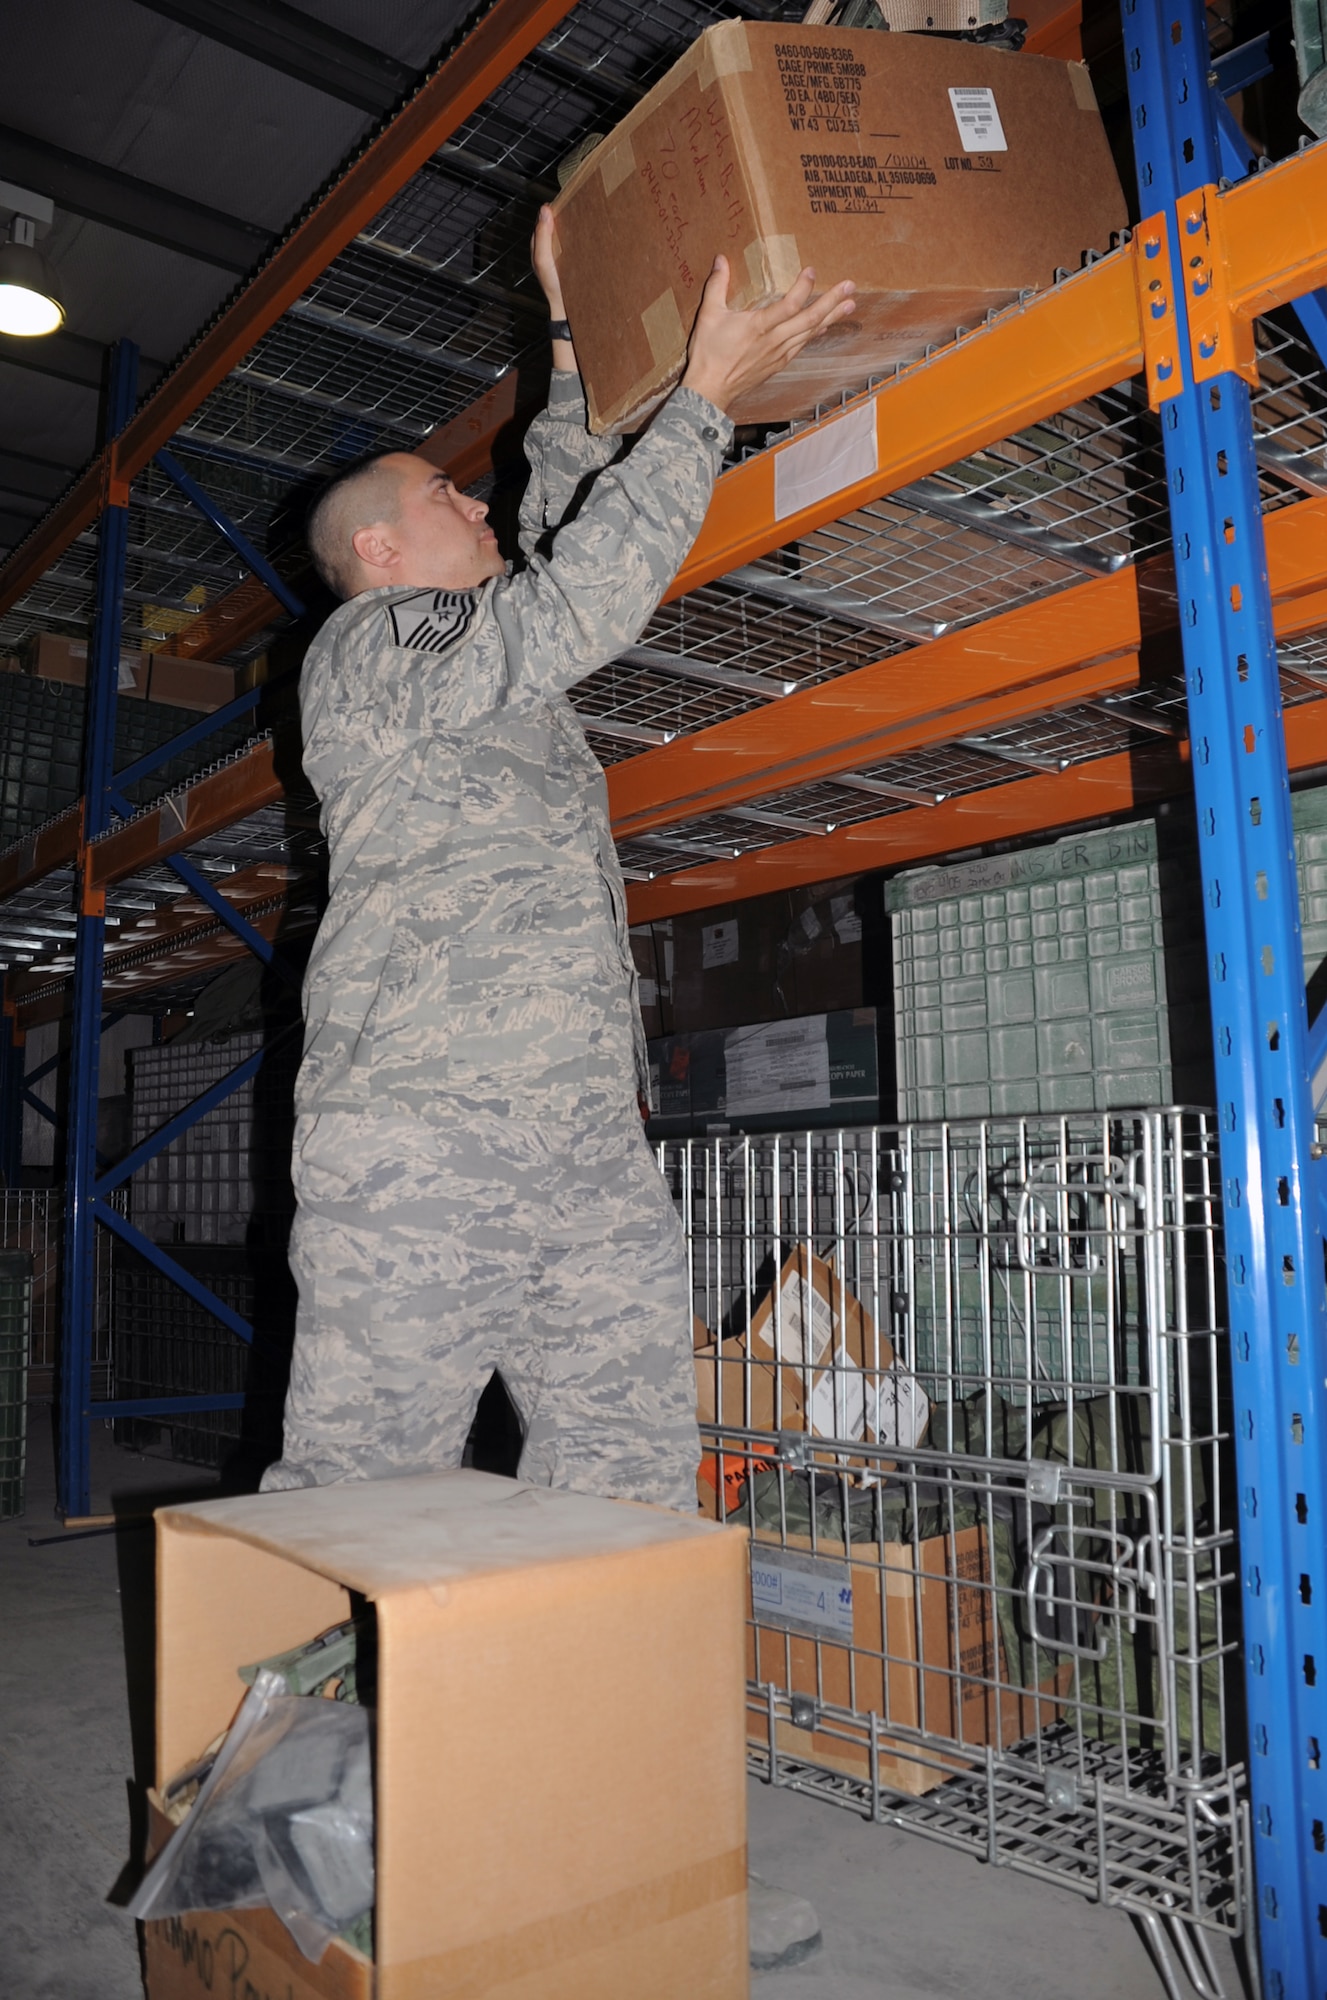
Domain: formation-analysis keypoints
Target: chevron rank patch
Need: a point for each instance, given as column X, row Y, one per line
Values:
column 431, row 620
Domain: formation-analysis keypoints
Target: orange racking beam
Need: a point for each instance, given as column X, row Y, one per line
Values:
column 227, row 622
column 1074, row 646
column 1045, row 804
column 502, row 38
column 52, row 846
column 1270, row 228
column 1034, row 360
column 204, row 946
column 220, row 799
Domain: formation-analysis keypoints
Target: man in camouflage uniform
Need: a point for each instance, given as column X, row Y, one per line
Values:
column 474, row 1187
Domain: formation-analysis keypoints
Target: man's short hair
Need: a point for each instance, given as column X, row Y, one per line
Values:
column 353, row 498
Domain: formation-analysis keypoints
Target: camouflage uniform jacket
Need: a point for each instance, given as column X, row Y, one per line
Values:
column 474, row 948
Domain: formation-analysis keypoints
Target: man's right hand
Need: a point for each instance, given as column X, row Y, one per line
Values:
column 732, row 352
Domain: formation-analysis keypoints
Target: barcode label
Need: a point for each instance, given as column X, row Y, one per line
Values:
column 978, row 121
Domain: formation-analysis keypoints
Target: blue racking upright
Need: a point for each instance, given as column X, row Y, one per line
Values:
column 88, row 1187
column 1273, row 1212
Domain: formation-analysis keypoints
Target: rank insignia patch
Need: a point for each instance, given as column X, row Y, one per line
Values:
column 429, row 621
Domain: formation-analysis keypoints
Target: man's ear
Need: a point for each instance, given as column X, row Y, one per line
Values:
column 375, row 546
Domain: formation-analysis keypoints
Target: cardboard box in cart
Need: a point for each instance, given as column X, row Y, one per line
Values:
column 559, row 1760
column 921, row 1652
column 943, row 177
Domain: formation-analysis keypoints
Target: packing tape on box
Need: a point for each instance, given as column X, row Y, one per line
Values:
column 663, row 327
column 616, row 161
column 1081, row 85
column 724, row 51
column 491, row 1964
column 772, row 262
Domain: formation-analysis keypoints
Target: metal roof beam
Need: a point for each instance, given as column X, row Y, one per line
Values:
column 133, row 206
column 67, row 357
column 286, row 39
column 501, row 39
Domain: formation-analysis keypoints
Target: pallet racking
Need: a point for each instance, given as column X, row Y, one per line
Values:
column 1054, row 590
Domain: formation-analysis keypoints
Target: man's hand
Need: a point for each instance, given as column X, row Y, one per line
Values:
column 546, row 270
column 732, row 352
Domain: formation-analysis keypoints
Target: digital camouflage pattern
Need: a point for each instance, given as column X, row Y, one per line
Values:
column 429, row 1253
column 474, row 952
column 471, row 992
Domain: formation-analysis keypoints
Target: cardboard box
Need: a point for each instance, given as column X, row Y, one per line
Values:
column 838, row 1372
column 203, row 685
column 923, row 1655
column 725, row 965
column 55, row 658
column 942, row 176
column 559, row 1767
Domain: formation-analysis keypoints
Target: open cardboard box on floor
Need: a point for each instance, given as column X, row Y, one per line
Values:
column 559, row 1756
column 945, row 178
column 924, row 1653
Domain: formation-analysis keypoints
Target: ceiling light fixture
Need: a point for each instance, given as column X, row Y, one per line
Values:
column 30, row 302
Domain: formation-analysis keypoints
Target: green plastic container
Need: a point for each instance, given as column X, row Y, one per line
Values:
column 1060, row 978
column 15, row 1332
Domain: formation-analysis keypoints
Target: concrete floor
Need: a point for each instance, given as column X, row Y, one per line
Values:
column 902, row 1919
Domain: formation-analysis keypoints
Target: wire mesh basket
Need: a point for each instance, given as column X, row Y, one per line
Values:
column 965, row 1384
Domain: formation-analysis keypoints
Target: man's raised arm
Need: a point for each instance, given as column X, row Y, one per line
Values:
column 561, row 450
column 577, row 608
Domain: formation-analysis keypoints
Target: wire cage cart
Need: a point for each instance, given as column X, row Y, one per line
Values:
column 966, row 1384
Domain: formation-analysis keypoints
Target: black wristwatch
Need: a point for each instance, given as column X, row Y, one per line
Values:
column 559, row 329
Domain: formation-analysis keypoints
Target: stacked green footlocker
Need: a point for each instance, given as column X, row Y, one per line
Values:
column 15, row 1329
column 1070, row 977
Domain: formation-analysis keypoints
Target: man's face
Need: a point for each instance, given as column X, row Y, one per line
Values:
column 439, row 538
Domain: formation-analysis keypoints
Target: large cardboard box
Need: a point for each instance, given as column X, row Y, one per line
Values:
column 925, row 1654
column 943, row 177
column 559, row 1765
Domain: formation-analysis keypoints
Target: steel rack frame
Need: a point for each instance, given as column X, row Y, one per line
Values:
column 90, row 1188
column 1047, row 461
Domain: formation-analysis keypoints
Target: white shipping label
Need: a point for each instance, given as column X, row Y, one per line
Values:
column 827, row 459
column 718, row 945
column 837, row 1408
column 901, row 1409
column 783, row 1067
column 978, row 121
column 649, row 992
column 801, row 1593
column 798, row 1298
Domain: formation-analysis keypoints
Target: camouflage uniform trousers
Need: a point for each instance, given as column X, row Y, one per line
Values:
column 428, row 1254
